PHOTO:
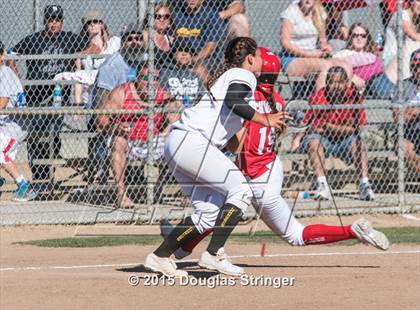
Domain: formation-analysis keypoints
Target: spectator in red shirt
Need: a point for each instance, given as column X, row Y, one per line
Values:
column 129, row 132
column 336, row 132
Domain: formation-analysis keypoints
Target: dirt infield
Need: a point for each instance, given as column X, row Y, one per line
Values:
column 318, row 277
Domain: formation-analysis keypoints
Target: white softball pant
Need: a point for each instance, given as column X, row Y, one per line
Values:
column 206, row 175
column 273, row 209
column 11, row 136
column 275, row 212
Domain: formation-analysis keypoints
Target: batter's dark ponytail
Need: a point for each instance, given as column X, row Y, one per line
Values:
column 235, row 54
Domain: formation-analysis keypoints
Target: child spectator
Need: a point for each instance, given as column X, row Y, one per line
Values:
column 337, row 132
column 11, row 133
column 183, row 79
column 163, row 33
column 130, row 132
column 303, row 39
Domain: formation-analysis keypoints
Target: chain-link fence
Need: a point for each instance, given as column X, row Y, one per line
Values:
column 90, row 89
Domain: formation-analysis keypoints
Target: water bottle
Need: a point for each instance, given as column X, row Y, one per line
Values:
column 131, row 74
column 186, row 101
column 57, row 96
column 299, row 195
column 21, row 101
column 379, row 42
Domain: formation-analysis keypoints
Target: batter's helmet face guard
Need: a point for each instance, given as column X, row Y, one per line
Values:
column 270, row 68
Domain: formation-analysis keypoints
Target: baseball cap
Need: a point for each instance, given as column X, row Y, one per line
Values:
column 91, row 15
column 131, row 28
column 53, row 11
column 415, row 58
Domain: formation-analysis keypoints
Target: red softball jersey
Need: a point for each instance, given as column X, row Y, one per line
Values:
column 259, row 145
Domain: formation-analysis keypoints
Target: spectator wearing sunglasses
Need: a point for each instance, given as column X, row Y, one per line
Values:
column 368, row 68
column 101, row 42
column 129, row 132
column 117, row 69
column 163, row 33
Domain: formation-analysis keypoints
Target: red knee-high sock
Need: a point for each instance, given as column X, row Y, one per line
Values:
column 189, row 246
column 320, row 234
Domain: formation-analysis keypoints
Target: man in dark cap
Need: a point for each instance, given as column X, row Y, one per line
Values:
column 50, row 41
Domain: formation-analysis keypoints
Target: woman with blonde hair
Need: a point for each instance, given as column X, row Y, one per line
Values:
column 304, row 42
column 162, row 35
column 100, row 41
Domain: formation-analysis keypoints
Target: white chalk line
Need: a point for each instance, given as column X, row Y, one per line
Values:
column 410, row 217
column 37, row 268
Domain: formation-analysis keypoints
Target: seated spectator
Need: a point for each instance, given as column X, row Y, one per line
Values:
column 100, row 42
column 388, row 8
column 303, row 39
column 163, row 33
column 201, row 27
column 367, row 66
column 232, row 13
column 11, row 133
column 129, row 131
column 52, row 40
column 337, row 132
column 411, row 38
column 117, row 69
column 183, row 80
column 335, row 8
column 412, row 114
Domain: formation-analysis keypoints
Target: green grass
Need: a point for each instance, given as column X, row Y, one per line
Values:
column 409, row 235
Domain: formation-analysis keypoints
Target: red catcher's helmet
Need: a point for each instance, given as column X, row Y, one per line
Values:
column 270, row 68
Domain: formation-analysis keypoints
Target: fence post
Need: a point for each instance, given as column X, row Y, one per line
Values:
column 141, row 10
column 400, row 104
column 150, row 114
column 35, row 17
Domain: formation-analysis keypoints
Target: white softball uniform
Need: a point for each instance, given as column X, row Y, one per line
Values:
column 11, row 134
column 192, row 151
column 273, row 210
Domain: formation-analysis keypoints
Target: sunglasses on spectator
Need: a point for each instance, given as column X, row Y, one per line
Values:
column 359, row 35
column 162, row 16
column 93, row 21
column 132, row 38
